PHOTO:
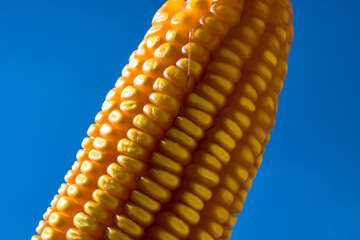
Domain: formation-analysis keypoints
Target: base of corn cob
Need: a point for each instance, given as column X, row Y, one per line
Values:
column 179, row 139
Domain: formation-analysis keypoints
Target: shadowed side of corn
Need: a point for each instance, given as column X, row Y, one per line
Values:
column 218, row 215
column 223, row 163
column 180, row 138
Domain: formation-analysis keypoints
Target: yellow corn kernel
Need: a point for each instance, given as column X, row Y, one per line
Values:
column 221, row 137
column 207, row 160
column 177, row 37
column 167, row 53
column 68, row 206
column 199, row 7
column 243, row 154
column 41, row 226
column 254, row 144
column 103, row 145
column 247, row 90
column 190, row 199
column 161, row 117
column 131, row 108
column 107, row 107
column 145, row 201
column 217, row 213
column 153, row 68
column 196, row 70
column 219, row 83
column 132, row 149
column 168, row 180
column 142, row 138
column 200, row 118
column 238, row 171
column 87, row 181
column 161, row 161
column 139, row 215
column 215, row 24
column 78, row 193
column 230, row 127
column 240, row 118
column 131, row 165
column 142, row 51
column 98, row 212
column 147, row 125
column 220, row 153
column 198, row 53
column 50, row 233
column 122, row 82
column 203, row 175
column 187, row 214
column 223, row 196
column 105, row 199
column 205, row 38
column 132, row 93
column 239, row 47
column 70, row 176
column 94, row 130
column 232, row 221
column 82, row 154
column 195, row 101
column 189, row 127
column 175, row 151
column 177, row 76
column 236, row 206
column 166, row 102
column 184, row 20
column 143, row 83
column 91, row 168
column 154, row 190
column 210, row 94
column 228, row 56
column 165, row 86
column 226, row 13
column 112, row 186
column 199, row 190
column 100, row 157
column 172, row 223
column 60, row 221
column 182, row 138
column 120, row 174
column 229, row 182
column 120, row 120
column 84, row 223
column 129, row 227
column 224, row 70
column 242, row 103
column 135, row 64
column 212, row 227
column 87, row 143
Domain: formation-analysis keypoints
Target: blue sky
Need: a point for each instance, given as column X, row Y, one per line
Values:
column 58, row 59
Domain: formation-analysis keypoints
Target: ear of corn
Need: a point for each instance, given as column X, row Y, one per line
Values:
column 179, row 139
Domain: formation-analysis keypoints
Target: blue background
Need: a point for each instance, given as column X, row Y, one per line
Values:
column 58, row 59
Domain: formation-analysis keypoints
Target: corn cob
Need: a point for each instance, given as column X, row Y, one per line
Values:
column 179, row 139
